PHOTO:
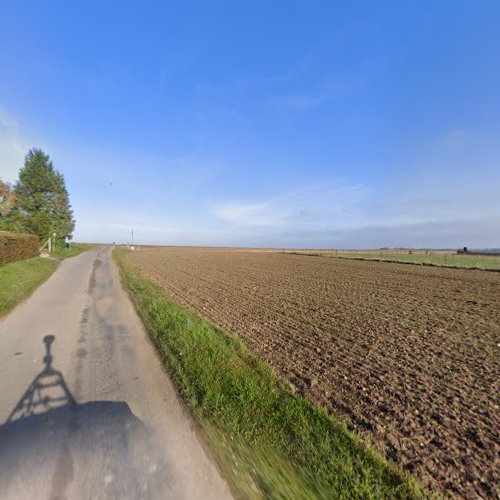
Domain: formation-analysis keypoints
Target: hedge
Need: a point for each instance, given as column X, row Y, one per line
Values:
column 18, row 246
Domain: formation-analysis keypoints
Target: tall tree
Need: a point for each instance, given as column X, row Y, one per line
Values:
column 7, row 199
column 42, row 202
column 65, row 222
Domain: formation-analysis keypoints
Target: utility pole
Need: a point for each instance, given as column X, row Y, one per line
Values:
column 132, row 236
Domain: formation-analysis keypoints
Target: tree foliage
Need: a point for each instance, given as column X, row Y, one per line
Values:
column 42, row 204
column 7, row 198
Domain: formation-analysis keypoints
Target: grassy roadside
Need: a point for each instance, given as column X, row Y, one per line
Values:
column 434, row 259
column 76, row 249
column 19, row 279
column 268, row 442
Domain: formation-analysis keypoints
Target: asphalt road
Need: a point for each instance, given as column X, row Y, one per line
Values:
column 86, row 409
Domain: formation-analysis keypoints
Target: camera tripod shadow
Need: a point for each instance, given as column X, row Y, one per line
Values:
column 48, row 390
column 52, row 446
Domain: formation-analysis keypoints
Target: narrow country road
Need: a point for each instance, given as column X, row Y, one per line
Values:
column 115, row 427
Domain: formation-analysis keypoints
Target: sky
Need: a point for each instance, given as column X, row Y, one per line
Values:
column 299, row 124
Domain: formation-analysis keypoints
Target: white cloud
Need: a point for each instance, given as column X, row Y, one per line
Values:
column 13, row 146
column 301, row 102
column 319, row 205
column 457, row 137
column 165, row 230
column 320, row 94
column 422, row 210
column 439, row 234
column 248, row 214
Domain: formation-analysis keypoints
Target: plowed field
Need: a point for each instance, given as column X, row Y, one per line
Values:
column 406, row 355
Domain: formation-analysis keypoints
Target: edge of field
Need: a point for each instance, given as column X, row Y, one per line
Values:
column 395, row 260
column 267, row 442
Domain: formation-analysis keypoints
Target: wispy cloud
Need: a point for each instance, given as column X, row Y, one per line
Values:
column 454, row 233
column 165, row 230
column 300, row 102
column 457, row 137
column 312, row 206
column 319, row 94
column 13, row 146
column 416, row 212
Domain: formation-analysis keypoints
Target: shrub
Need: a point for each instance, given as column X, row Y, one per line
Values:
column 17, row 246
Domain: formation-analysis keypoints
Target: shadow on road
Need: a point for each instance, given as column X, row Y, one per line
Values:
column 47, row 391
column 54, row 447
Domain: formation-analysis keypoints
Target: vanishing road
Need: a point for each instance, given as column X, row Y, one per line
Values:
column 86, row 410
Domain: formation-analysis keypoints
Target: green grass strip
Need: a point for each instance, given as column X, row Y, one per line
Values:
column 19, row 279
column 268, row 442
column 73, row 251
column 482, row 262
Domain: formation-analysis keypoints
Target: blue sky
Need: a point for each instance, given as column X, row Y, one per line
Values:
column 268, row 123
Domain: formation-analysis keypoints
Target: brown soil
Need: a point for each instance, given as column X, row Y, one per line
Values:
column 406, row 355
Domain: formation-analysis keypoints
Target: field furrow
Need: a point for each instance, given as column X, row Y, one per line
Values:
column 407, row 355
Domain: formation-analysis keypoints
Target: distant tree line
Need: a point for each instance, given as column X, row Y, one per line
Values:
column 38, row 203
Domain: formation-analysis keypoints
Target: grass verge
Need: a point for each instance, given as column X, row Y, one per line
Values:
column 486, row 263
column 19, row 279
column 75, row 249
column 268, row 442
